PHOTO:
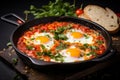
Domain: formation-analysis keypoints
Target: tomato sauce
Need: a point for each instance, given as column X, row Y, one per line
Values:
column 29, row 43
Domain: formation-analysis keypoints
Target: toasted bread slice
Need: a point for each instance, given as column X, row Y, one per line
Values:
column 103, row 16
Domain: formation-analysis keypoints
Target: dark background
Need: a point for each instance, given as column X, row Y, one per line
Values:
column 18, row 7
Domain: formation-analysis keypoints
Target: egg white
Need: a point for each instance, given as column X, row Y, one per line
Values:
column 47, row 45
column 68, row 58
column 81, row 40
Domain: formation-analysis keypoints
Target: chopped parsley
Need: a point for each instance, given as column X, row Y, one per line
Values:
column 39, row 53
column 14, row 61
column 56, row 8
column 61, row 46
column 91, row 53
column 32, row 39
column 84, row 46
column 56, row 57
column 59, row 32
column 87, row 46
column 86, row 36
column 29, row 47
column 94, row 48
column 42, row 46
column 100, row 42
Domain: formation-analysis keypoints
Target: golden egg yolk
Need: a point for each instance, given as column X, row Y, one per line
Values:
column 74, row 52
column 43, row 39
column 76, row 34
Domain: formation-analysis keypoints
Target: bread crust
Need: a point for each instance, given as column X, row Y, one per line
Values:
column 103, row 16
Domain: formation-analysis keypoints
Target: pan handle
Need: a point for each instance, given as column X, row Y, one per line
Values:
column 105, row 57
column 9, row 18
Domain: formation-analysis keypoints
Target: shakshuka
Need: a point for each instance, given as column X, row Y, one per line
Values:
column 61, row 42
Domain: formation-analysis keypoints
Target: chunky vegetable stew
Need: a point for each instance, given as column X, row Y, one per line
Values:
column 61, row 42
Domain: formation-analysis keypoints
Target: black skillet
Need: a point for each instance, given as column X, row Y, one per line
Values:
column 43, row 65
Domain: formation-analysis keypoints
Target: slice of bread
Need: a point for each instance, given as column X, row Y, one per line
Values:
column 103, row 16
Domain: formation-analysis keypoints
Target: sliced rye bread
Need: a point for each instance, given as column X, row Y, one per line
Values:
column 103, row 16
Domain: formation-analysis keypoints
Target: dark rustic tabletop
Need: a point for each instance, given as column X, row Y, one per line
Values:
column 103, row 71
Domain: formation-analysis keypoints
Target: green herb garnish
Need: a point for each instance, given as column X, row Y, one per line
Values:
column 86, row 36
column 43, row 47
column 94, row 47
column 62, row 37
column 9, row 44
column 59, row 32
column 100, row 42
column 32, row 39
column 87, row 46
column 57, row 8
column 39, row 53
column 62, row 46
column 61, row 29
column 14, row 61
column 29, row 47
column 56, row 57
column 84, row 46
column 91, row 53
column 59, row 57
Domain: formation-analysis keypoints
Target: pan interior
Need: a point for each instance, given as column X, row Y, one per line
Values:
column 21, row 29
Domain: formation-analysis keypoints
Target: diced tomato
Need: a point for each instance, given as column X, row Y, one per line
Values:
column 22, row 48
column 21, row 39
column 46, row 58
column 28, row 33
column 35, row 30
column 51, row 27
column 31, row 53
column 53, row 48
column 76, row 26
column 21, row 45
column 44, row 28
column 85, row 29
column 92, row 56
column 37, row 47
column 55, row 45
column 102, row 49
column 79, row 12
column 100, row 38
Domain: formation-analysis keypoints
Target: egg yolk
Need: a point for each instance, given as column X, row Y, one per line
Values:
column 76, row 34
column 74, row 52
column 43, row 39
